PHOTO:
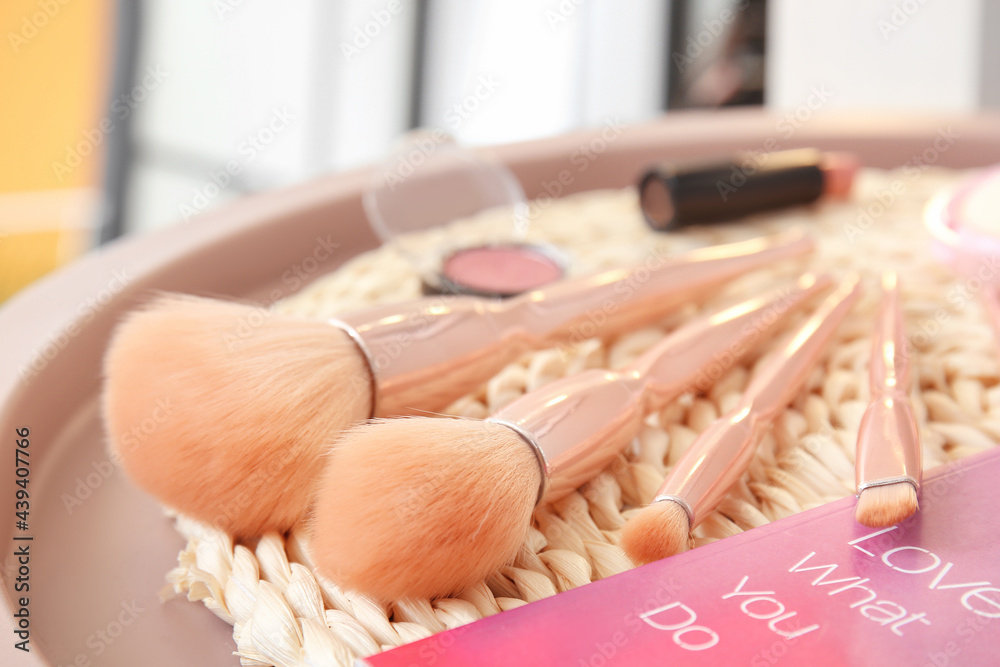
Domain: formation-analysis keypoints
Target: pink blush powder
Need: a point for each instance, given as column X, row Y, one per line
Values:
column 501, row 269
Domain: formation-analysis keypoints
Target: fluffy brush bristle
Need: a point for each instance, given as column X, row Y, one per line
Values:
column 657, row 531
column 224, row 411
column 886, row 505
column 422, row 507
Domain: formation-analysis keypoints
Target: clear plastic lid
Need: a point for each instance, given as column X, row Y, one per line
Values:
column 428, row 182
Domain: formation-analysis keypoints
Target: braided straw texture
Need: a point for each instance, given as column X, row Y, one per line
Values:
column 283, row 615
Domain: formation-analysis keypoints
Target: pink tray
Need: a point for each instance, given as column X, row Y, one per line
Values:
column 92, row 570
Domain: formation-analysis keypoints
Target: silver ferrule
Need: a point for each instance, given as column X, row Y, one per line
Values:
column 887, row 481
column 543, row 464
column 680, row 501
column 369, row 360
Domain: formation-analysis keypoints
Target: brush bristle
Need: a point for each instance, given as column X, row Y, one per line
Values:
column 657, row 531
column 422, row 507
column 225, row 411
column 886, row 505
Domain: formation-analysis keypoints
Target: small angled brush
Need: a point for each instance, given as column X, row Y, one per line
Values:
column 723, row 452
column 888, row 461
column 224, row 411
column 424, row 507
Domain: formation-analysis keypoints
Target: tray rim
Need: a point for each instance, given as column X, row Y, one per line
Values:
column 206, row 256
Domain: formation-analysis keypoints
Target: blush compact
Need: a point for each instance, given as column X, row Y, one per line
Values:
column 496, row 270
column 431, row 184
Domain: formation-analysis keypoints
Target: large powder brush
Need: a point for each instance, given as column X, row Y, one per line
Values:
column 424, row 507
column 223, row 411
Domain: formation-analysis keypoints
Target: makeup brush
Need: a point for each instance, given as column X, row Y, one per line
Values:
column 722, row 453
column 223, row 411
column 425, row 507
column 888, row 460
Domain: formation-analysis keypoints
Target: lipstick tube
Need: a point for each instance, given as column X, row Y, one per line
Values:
column 426, row 354
column 888, row 449
column 722, row 453
column 677, row 195
column 579, row 424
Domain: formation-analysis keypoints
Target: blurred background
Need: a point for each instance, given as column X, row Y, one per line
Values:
column 125, row 116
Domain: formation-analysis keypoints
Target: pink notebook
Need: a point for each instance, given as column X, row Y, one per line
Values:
column 813, row 589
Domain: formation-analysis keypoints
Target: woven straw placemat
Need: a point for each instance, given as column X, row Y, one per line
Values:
column 283, row 615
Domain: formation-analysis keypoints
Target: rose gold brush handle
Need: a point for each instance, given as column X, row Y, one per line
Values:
column 722, row 453
column 664, row 371
column 888, row 448
column 615, row 301
column 579, row 424
column 428, row 353
column 889, row 371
